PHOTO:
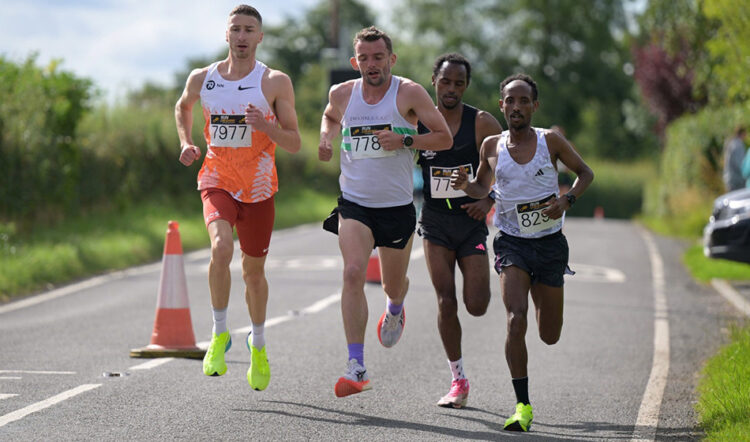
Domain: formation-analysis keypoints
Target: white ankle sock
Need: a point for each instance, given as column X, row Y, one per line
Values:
column 220, row 321
column 457, row 369
column 258, row 340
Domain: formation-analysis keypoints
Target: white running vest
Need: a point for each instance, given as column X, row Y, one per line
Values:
column 521, row 190
column 371, row 176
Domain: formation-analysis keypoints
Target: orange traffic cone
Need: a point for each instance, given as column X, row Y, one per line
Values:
column 373, row 268
column 490, row 216
column 173, row 328
column 599, row 212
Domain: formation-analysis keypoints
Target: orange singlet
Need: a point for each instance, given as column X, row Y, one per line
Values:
column 239, row 160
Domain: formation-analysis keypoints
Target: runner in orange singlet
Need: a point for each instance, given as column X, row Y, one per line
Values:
column 248, row 109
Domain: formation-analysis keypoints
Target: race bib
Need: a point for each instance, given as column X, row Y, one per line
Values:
column 531, row 219
column 365, row 143
column 440, row 181
column 230, row 131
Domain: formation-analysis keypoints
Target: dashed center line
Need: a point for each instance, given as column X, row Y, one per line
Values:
column 41, row 405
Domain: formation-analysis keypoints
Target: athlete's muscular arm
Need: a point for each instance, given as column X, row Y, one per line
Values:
column 330, row 125
column 560, row 148
column 183, row 115
column 415, row 104
column 281, row 92
column 485, row 125
column 479, row 187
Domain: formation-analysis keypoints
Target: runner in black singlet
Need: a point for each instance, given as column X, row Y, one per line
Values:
column 452, row 224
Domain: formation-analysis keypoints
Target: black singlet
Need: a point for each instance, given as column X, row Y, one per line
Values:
column 463, row 151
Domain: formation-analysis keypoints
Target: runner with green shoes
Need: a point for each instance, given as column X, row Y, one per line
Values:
column 531, row 252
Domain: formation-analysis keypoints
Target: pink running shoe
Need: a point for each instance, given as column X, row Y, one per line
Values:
column 457, row 396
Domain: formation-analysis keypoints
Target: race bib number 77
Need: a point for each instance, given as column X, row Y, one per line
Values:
column 230, row 131
column 440, row 181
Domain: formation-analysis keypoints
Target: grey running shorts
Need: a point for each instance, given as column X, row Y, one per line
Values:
column 391, row 226
column 545, row 259
column 454, row 231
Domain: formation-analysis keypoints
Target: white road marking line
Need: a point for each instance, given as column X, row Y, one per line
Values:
column 648, row 413
column 594, row 273
column 150, row 364
column 311, row 309
column 7, row 396
column 41, row 405
column 322, row 304
column 10, row 377
column 731, row 295
column 35, row 372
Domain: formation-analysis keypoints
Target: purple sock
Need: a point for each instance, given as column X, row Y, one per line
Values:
column 357, row 351
column 395, row 309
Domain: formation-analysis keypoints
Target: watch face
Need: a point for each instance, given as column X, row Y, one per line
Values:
column 408, row 140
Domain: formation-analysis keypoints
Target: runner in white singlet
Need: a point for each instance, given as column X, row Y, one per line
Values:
column 377, row 117
column 531, row 253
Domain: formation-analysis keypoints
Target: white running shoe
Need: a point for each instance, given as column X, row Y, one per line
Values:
column 355, row 380
column 391, row 327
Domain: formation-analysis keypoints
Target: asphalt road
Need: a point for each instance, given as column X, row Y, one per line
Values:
column 56, row 347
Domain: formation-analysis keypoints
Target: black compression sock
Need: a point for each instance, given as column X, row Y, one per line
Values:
column 521, row 387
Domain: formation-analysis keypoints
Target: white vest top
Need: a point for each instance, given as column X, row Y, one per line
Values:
column 522, row 188
column 371, row 176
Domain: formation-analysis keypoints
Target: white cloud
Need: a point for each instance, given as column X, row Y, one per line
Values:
column 122, row 44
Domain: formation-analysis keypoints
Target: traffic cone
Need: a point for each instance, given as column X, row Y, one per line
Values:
column 173, row 328
column 373, row 268
column 490, row 216
column 599, row 212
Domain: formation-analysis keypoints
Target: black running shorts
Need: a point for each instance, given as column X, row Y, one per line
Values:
column 391, row 226
column 454, row 231
column 545, row 259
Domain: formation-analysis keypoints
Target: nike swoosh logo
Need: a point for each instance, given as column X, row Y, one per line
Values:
column 244, row 88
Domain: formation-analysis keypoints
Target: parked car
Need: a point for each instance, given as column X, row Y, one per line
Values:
column 727, row 234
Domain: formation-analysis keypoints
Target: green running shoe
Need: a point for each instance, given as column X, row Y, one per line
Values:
column 213, row 361
column 259, row 373
column 521, row 419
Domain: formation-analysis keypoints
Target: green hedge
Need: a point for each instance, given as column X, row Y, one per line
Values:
column 617, row 189
column 691, row 165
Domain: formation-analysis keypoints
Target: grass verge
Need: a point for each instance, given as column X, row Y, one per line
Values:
column 704, row 269
column 107, row 240
column 724, row 405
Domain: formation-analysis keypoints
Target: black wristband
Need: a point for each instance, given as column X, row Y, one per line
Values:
column 492, row 195
column 571, row 198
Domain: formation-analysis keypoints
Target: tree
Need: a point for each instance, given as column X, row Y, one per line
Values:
column 575, row 51
column 730, row 46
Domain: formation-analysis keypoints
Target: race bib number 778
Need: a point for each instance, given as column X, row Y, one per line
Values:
column 365, row 144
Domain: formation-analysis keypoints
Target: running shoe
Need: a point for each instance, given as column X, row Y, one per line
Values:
column 213, row 361
column 354, row 381
column 259, row 373
column 391, row 327
column 457, row 396
column 521, row 419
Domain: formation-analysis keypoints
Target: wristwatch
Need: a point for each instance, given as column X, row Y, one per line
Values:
column 407, row 141
column 571, row 198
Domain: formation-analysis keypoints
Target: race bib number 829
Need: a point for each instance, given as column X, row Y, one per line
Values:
column 530, row 216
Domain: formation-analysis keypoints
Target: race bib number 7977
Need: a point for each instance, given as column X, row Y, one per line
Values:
column 230, row 131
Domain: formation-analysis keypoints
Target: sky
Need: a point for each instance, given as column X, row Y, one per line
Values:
column 121, row 44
